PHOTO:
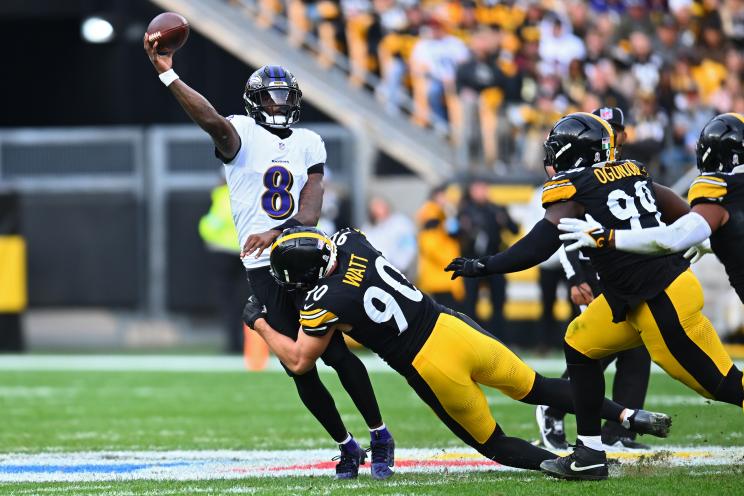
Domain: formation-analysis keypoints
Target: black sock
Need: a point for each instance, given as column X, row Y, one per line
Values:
column 557, row 393
column 587, row 385
column 513, row 452
column 354, row 378
column 555, row 412
column 731, row 389
column 320, row 403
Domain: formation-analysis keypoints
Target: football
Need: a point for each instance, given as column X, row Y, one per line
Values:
column 170, row 30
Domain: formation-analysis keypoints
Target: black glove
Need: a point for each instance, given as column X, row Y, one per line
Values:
column 467, row 267
column 253, row 311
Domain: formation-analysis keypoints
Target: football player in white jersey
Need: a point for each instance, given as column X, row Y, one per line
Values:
column 274, row 175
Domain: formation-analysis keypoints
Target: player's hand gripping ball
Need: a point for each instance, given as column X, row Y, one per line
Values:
column 169, row 30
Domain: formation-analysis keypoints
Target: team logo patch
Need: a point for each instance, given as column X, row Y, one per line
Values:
column 255, row 80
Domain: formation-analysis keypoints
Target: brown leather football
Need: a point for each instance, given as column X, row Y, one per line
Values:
column 170, row 30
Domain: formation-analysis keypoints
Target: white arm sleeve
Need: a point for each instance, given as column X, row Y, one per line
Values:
column 689, row 230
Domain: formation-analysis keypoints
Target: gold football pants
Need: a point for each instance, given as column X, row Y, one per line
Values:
column 457, row 356
column 672, row 327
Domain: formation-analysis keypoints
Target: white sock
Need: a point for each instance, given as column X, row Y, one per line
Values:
column 593, row 442
column 378, row 428
column 348, row 438
column 627, row 413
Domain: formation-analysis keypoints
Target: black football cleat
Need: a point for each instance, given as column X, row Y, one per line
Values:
column 645, row 422
column 583, row 464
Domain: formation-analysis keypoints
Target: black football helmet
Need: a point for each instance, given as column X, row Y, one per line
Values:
column 720, row 147
column 579, row 140
column 301, row 256
column 272, row 97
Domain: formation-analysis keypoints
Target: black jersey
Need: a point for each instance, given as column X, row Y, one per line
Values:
column 727, row 190
column 387, row 314
column 619, row 195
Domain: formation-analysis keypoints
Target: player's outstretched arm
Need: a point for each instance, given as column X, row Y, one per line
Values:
column 688, row 231
column 535, row 247
column 298, row 356
column 308, row 214
column 198, row 108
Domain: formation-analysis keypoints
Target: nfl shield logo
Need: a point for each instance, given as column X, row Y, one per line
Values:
column 282, row 145
column 605, row 113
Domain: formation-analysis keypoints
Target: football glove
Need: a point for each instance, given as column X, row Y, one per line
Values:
column 253, row 311
column 585, row 233
column 467, row 267
column 695, row 253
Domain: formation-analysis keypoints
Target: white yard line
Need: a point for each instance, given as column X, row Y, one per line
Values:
column 187, row 363
column 227, row 464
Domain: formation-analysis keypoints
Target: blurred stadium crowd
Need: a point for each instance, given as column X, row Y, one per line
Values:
column 494, row 75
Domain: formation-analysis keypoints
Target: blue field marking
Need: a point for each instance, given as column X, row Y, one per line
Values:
column 100, row 468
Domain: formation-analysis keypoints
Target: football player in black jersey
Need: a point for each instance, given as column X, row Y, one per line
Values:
column 717, row 200
column 344, row 284
column 632, row 367
column 650, row 300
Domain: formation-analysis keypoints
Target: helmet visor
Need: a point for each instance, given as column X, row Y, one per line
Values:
column 278, row 97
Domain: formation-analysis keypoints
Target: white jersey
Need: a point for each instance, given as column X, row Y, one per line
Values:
column 266, row 176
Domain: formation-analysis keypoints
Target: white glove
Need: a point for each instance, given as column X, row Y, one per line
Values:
column 584, row 233
column 695, row 253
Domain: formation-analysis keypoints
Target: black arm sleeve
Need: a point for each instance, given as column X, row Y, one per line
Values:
column 537, row 246
column 315, row 169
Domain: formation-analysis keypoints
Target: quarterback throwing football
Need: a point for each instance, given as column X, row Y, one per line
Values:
column 274, row 175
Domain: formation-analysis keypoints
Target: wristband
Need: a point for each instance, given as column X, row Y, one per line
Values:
column 168, row 77
column 603, row 238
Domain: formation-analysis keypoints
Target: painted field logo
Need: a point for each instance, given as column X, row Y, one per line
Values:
column 226, row 464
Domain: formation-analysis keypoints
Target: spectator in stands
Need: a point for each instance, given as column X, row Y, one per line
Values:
column 399, row 36
column 481, row 226
column 433, row 64
column 558, row 45
column 649, row 132
column 644, row 63
column 392, row 233
column 437, row 242
column 667, row 40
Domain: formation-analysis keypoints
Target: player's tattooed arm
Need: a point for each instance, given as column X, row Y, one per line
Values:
column 198, row 108
column 308, row 214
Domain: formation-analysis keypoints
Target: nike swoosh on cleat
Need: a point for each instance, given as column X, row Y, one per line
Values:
column 581, row 469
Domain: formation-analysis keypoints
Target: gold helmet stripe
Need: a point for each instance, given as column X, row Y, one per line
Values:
column 738, row 116
column 282, row 239
column 609, row 129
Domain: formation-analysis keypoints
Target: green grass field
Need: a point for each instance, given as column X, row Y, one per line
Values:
column 94, row 411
